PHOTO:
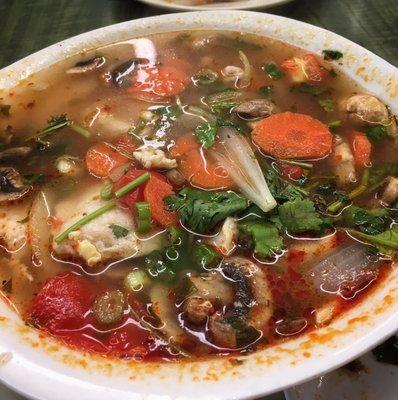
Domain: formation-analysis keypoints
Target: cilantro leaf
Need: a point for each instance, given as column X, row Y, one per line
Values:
column 228, row 122
column 118, row 231
column 386, row 242
column 266, row 91
column 273, row 71
column 377, row 173
column 327, row 104
column 300, row 216
column 206, row 134
column 201, row 211
column 376, row 133
column 332, row 55
column 265, row 236
column 371, row 222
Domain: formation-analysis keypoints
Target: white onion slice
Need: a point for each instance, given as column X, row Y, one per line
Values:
column 236, row 156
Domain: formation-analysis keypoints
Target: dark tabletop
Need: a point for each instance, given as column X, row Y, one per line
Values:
column 29, row 25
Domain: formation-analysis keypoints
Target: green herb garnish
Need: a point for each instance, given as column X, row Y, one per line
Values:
column 332, row 55
column 376, row 133
column 273, row 71
column 327, row 104
column 201, row 211
column 315, row 90
column 266, row 91
column 119, row 231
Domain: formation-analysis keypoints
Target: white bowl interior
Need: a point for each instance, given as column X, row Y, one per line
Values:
column 45, row 370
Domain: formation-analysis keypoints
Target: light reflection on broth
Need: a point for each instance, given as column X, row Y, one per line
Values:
column 202, row 256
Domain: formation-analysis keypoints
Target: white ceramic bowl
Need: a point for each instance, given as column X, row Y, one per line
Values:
column 42, row 369
column 235, row 5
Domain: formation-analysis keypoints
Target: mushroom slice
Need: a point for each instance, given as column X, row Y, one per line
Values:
column 246, row 322
column 365, row 108
column 11, row 186
column 256, row 109
column 121, row 75
column 342, row 161
column 15, row 152
column 390, row 194
column 83, row 67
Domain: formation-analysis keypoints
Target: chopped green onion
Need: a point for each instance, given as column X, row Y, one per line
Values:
column 205, row 257
column 106, row 207
column 301, row 164
column 176, row 236
column 135, row 280
column 80, row 130
column 326, row 104
column 109, row 307
column 106, row 190
column 334, row 124
column 266, row 91
column 132, row 185
column 143, row 210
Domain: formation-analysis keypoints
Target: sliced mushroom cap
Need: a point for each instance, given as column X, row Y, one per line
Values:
column 197, row 310
column 256, row 109
column 15, row 152
column 365, row 108
column 83, row 67
column 11, row 186
column 252, row 308
column 122, row 74
column 342, row 161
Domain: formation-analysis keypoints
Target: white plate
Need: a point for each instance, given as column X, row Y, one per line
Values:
column 235, row 5
column 43, row 371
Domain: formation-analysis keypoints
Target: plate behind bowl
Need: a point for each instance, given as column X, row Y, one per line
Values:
column 43, row 369
column 235, row 5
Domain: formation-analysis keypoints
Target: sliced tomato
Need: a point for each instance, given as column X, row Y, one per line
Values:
column 307, row 68
column 291, row 172
column 162, row 81
column 62, row 303
column 131, row 198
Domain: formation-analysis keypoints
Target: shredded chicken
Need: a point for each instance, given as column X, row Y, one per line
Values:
column 154, row 158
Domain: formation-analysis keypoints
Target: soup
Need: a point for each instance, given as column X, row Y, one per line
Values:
column 193, row 194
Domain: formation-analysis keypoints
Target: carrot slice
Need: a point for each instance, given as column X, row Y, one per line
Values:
column 360, row 147
column 292, row 135
column 155, row 191
column 125, row 144
column 163, row 81
column 307, row 68
column 101, row 159
column 196, row 168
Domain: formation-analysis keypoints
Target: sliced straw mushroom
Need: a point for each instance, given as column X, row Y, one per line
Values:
column 15, row 152
column 256, row 109
column 83, row 67
column 365, row 108
column 122, row 74
column 390, row 194
column 11, row 186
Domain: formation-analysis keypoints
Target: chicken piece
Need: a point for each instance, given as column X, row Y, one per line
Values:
column 151, row 158
column 343, row 162
column 98, row 241
column 365, row 108
column 225, row 240
column 390, row 193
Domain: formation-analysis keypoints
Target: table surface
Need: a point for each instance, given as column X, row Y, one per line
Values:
column 27, row 26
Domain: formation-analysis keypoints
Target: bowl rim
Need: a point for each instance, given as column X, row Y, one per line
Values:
column 236, row 5
column 236, row 19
